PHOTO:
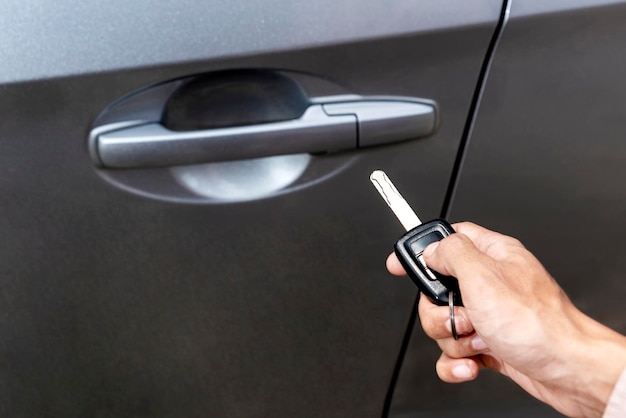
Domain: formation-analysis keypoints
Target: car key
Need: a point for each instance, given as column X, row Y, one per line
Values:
column 442, row 290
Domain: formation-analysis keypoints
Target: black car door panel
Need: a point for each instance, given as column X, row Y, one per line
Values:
column 116, row 302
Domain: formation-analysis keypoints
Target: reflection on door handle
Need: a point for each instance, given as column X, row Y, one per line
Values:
column 324, row 127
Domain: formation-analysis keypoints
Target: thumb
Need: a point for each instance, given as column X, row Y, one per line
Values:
column 457, row 256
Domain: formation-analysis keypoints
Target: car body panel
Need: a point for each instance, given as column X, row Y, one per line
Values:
column 115, row 303
column 42, row 40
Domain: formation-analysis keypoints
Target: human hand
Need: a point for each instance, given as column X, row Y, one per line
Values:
column 518, row 321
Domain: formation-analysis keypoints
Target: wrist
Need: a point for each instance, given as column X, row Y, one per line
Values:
column 594, row 358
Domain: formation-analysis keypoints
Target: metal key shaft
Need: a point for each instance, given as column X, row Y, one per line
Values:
column 394, row 199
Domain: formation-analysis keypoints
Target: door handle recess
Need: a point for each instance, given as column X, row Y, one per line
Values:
column 323, row 127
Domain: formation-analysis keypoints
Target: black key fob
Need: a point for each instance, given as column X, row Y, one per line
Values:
column 409, row 249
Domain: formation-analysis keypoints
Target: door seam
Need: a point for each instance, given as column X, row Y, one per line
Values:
column 473, row 111
column 453, row 183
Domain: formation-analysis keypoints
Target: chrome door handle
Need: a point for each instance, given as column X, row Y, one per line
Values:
column 323, row 127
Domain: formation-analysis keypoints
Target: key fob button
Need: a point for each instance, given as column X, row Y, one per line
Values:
column 418, row 245
column 429, row 273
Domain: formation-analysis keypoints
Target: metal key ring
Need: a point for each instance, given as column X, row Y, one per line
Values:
column 452, row 321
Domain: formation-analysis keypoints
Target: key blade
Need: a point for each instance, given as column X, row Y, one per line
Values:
column 394, row 199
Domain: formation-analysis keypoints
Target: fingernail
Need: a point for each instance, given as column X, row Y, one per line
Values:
column 478, row 344
column 462, row 372
column 428, row 251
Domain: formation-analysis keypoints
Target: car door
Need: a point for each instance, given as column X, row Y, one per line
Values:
column 545, row 163
column 188, row 289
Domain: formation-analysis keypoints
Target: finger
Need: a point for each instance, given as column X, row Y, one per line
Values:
column 452, row 370
column 436, row 320
column 394, row 266
column 457, row 256
column 467, row 346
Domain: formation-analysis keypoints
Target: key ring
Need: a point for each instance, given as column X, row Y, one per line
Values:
column 452, row 321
